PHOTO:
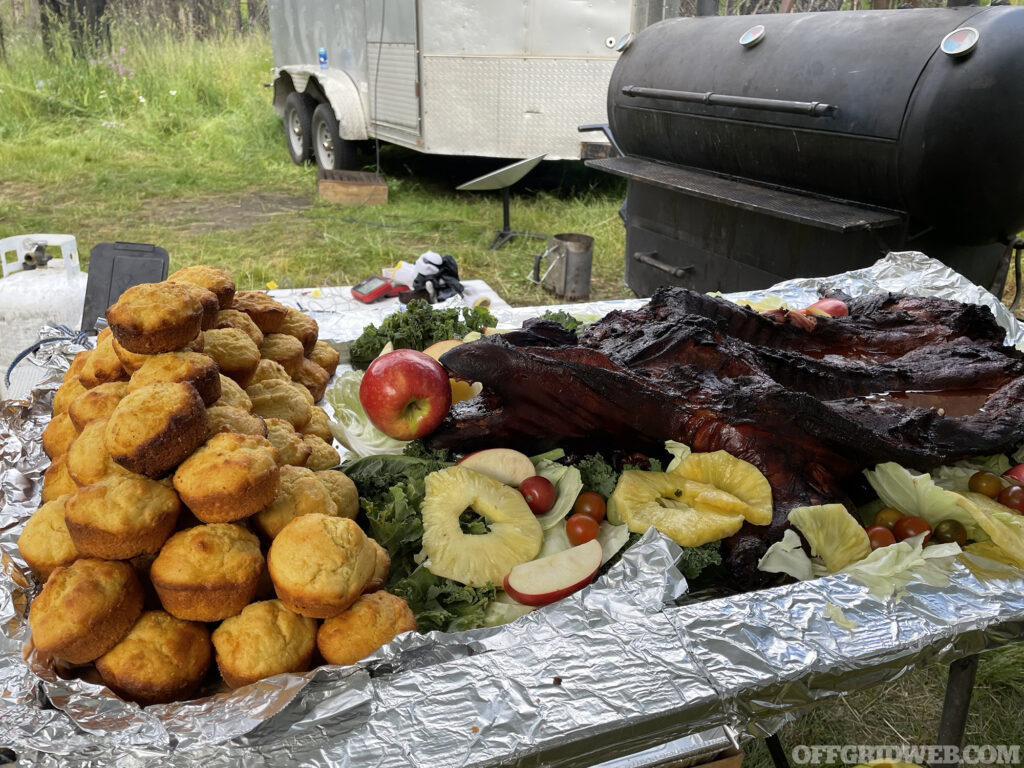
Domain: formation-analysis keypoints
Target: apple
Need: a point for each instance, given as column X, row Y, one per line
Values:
column 503, row 464
column 542, row 581
column 405, row 394
column 1015, row 473
column 828, row 308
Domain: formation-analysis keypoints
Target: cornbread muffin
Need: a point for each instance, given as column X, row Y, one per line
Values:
column 210, row 278
column 313, row 378
column 288, row 442
column 45, row 542
column 234, row 352
column 277, row 399
column 232, row 318
column 66, row 394
column 211, row 306
column 326, row 356
column 130, row 361
column 324, row 455
column 121, row 517
column 319, row 424
column 300, row 494
column 156, row 317
column 56, row 480
column 319, row 564
column 88, row 461
column 269, row 369
column 193, row 368
column 209, row 572
column 381, row 567
column 58, row 436
column 372, row 621
column 155, row 428
column 265, row 311
column 161, row 659
column 283, row 349
column 102, row 366
column 343, row 491
column 229, row 478
column 233, row 395
column 227, row 418
column 77, row 363
column 96, row 403
column 142, row 564
column 302, row 327
column 85, row 609
column 264, row 639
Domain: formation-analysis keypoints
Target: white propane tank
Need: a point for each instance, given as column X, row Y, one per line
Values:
column 31, row 298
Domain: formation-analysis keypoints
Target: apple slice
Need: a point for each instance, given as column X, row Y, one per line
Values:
column 542, row 581
column 437, row 349
column 1016, row 474
column 503, row 464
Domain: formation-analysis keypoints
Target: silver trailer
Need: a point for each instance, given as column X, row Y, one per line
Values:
column 493, row 78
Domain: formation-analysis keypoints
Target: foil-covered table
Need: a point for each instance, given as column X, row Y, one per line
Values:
column 621, row 667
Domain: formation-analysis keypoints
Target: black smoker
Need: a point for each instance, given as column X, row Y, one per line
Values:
column 760, row 148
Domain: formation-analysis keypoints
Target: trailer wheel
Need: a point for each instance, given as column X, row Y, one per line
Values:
column 330, row 150
column 298, row 116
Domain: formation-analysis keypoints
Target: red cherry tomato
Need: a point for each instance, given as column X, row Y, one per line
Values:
column 880, row 536
column 909, row 526
column 580, row 529
column 539, row 494
column 590, row 504
column 1012, row 496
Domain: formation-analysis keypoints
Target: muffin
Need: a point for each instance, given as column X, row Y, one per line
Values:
column 102, row 366
column 209, row 572
column 121, row 517
column 302, row 327
column 313, row 378
column 66, row 394
column 77, row 363
column 155, row 428
column 156, row 317
column 277, row 399
column 300, row 493
column 342, row 490
column 88, row 461
column 283, row 349
column 229, row 478
column 264, row 639
column 319, row 564
column 85, row 609
column 210, row 278
column 269, row 369
column 372, row 621
column 45, row 542
column 323, row 456
column 234, row 352
column 289, row 443
column 211, row 306
column 130, row 361
column 227, row 418
column 265, row 311
column 381, row 567
column 58, row 436
column 319, row 424
column 233, row 395
column 326, row 356
column 161, row 659
column 56, row 479
column 232, row 318
column 193, row 368
column 96, row 403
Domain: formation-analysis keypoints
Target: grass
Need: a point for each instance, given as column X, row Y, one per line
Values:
column 173, row 141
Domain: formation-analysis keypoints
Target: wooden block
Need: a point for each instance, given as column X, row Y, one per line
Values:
column 352, row 187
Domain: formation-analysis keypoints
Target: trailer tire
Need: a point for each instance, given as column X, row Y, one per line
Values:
column 298, row 135
column 330, row 150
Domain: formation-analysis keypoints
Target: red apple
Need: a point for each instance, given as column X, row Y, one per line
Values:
column 828, row 308
column 405, row 394
column 542, row 581
column 503, row 464
column 1015, row 473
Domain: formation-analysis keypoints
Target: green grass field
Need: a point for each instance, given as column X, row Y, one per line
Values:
column 174, row 142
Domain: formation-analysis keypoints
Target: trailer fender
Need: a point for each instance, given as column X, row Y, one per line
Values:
column 331, row 85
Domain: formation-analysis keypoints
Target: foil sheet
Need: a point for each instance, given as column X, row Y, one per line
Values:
column 624, row 666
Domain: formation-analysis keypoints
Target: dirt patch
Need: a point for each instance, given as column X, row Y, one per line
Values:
column 221, row 213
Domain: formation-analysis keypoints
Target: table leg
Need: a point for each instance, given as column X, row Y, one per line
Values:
column 959, row 687
column 778, row 754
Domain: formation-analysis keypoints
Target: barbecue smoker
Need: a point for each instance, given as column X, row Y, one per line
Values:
column 760, row 148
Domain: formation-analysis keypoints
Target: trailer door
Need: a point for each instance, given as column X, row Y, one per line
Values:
column 393, row 71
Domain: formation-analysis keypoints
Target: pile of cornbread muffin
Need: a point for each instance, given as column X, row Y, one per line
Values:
column 190, row 512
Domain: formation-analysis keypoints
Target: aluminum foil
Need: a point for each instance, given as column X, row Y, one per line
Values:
column 619, row 668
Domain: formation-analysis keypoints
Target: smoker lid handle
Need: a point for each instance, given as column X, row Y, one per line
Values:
column 812, row 108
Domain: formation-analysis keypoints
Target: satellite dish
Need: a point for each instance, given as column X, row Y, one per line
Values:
column 502, row 179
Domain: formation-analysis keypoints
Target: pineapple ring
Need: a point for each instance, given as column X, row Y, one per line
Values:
column 514, row 534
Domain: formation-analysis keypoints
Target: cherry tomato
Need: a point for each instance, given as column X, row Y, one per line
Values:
column 539, row 494
column 590, row 504
column 1012, row 496
column 987, row 483
column 580, row 529
column 909, row 526
column 949, row 531
column 880, row 536
column 887, row 517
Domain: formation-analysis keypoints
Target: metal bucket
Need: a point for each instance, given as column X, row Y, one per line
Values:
column 570, row 257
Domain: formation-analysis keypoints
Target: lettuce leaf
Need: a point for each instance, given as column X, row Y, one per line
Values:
column 888, row 570
column 787, row 556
